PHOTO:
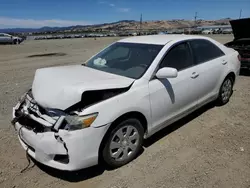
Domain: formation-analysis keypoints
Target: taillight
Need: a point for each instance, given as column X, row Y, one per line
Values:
column 239, row 57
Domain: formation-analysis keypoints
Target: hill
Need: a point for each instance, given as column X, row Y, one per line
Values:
column 125, row 25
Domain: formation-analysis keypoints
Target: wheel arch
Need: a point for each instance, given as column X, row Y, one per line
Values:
column 231, row 75
column 132, row 114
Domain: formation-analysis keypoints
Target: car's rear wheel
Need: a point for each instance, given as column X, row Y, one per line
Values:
column 226, row 91
column 123, row 143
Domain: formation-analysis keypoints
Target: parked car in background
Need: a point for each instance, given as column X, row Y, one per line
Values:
column 104, row 109
column 241, row 42
column 207, row 31
column 195, row 31
column 227, row 31
column 217, row 31
column 178, row 31
column 9, row 39
column 162, row 33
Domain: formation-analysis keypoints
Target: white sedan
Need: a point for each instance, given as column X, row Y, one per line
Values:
column 9, row 39
column 73, row 117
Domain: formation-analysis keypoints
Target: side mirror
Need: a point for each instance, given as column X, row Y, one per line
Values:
column 167, row 72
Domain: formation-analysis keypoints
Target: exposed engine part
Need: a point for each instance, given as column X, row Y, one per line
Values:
column 95, row 96
column 242, row 46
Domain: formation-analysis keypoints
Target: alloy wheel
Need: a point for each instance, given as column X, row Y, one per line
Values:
column 124, row 143
column 226, row 90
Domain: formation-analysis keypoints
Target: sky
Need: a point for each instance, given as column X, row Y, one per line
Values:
column 35, row 14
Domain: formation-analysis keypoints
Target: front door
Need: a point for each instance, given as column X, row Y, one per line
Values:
column 174, row 96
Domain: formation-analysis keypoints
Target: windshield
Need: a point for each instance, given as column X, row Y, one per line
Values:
column 125, row 59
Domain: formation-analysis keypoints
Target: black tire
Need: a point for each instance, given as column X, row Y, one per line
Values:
column 106, row 152
column 16, row 42
column 221, row 100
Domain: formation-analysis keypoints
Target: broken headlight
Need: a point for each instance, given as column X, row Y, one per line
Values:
column 79, row 122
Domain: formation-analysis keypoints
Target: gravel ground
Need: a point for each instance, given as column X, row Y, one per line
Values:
column 209, row 148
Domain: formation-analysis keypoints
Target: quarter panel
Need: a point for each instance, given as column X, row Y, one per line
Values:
column 136, row 99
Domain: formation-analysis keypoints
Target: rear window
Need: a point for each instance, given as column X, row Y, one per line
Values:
column 205, row 50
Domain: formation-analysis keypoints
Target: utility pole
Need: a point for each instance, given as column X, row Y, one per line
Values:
column 195, row 18
column 240, row 13
column 140, row 25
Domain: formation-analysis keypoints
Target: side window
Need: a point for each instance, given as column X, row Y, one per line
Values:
column 205, row 50
column 120, row 52
column 178, row 57
column 1, row 35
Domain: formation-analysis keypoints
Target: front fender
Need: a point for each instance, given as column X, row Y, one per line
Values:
column 134, row 100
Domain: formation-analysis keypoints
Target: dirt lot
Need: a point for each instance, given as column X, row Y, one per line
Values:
column 210, row 148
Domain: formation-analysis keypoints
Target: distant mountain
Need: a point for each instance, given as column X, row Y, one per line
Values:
column 31, row 30
column 124, row 25
column 18, row 30
column 49, row 29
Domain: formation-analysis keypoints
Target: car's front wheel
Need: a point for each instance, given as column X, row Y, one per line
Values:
column 123, row 143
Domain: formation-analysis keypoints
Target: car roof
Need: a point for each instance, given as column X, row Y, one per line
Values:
column 160, row 39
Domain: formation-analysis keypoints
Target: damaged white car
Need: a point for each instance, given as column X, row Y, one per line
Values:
column 74, row 117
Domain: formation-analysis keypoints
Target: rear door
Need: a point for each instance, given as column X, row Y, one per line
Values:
column 211, row 64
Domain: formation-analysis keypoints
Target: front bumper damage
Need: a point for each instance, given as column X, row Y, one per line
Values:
column 42, row 137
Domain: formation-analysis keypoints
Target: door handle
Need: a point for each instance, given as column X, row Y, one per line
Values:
column 194, row 75
column 224, row 62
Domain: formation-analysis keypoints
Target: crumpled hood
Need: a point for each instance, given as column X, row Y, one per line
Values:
column 241, row 28
column 62, row 87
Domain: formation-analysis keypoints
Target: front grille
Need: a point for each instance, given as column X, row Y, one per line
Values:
column 34, row 117
column 32, row 108
column 31, row 124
